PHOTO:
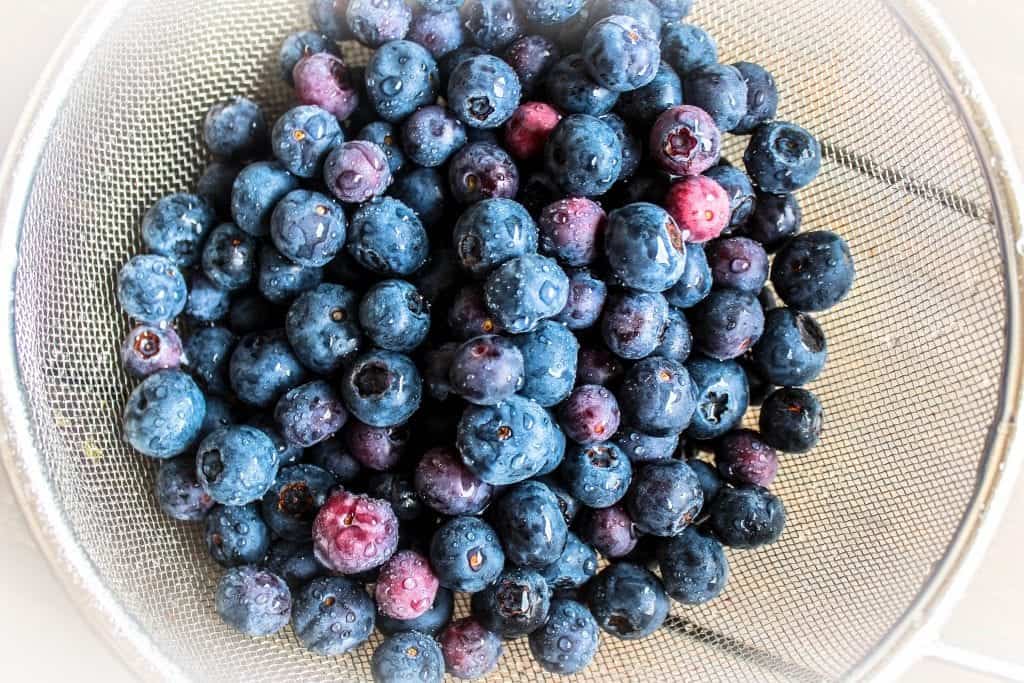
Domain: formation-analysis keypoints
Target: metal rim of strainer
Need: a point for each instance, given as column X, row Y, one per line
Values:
column 894, row 653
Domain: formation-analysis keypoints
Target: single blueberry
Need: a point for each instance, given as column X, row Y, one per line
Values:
column 253, row 601
column 722, row 396
column 395, row 316
column 236, row 465
column 375, row 22
column 466, row 555
column 568, row 641
column 382, row 388
column 658, row 396
column 263, row 368
column 236, row 535
column 176, row 227
column 530, row 525
column 633, row 323
column 791, row 420
column 515, row 605
column 163, row 414
column 508, row 442
column 491, row 232
column 813, row 271
column 550, row 355
column 291, row 503
column 622, row 52
column 695, row 284
column 628, row 601
column 792, row 350
column 400, row 78
column 309, row 414
column 526, row 290
column 257, row 190
column 482, row 170
column 323, row 327
column 747, row 517
column 151, row 289
column 178, row 491
column 720, row 90
column 303, row 137
column 386, row 237
column 584, row 155
column 782, row 157
column 693, row 566
column 665, row 498
column 235, row 129
column 332, row 616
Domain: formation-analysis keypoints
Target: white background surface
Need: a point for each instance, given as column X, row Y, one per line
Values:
column 43, row 638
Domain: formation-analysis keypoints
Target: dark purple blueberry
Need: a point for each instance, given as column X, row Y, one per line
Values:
column 332, row 456
column 665, row 497
column 727, row 323
column 622, row 52
column 357, row 171
column 685, row 141
column 628, row 601
column 743, row 457
column 657, row 396
column 470, row 651
column 741, row 193
column 782, row 157
column 792, row 351
column 572, row 230
column 446, row 484
column 610, row 530
column 515, row 605
column 640, row 447
column 310, row 413
column 791, row 420
column 590, row 414
column 598, row 365
column 587, row 295
column 633, row 322
column 377, row 448
column 776, row 218
column 322, row 79
column 746, row 517
column 487, row 370
column 737, row 263
column 482, row 170
column 762, row 96
column 532, row 57
column 179, row 492
column 469, row 316
column 439, row 32
column 693, row 566
column 813, row 271
column 646, row 104
column 148, row 349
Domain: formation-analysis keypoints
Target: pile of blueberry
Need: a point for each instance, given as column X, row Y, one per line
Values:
column 468, row 319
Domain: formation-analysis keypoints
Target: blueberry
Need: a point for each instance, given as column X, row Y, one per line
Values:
column 792, row 350
column 215, row 186
column 685, row 140
column 322, row 327
column 633, row 323
column 515, row 605
column 590, row 415
column 483, row 91
column 762, row 96
column 447, row 64
column 645, row 247
column 528, row 130
column 470, row 650
column 738, row 263
column 468, row 316
column 208, row 353
column 487, row 370
column 632, row 146
column 333, row 456
column 151, row 289
column 294, row 562
column 436, row 366
column 813, row 272
column 673, row 11
column 253, row 601
column 252, row 312
column 354, row 533
column 556, row 451
column 387, row 238
column 526, row 290
column 179, row 492
column 257, row 190
column 163, row 414
column 439, row 5
column 287, row 453
column 782, row 157
column 394, row 316
column 550, row 11
column 643, row 105
column 597, row 475
column 587, row 295
column 491, row 232
column 439, row 32
column 641, row 448
column 332, row 616
column 509, row 442
column 357, row 171
column 584, row 155
column 687, row 47
column 229, row 257
column 176, row 227
column 482, row 170
column 376, row 448
column 676, row 340
column 720, row 90
column 235, row 129
column 382, row 388
column 263, row 368
column 695, row 284
column 571, row 89
column 493, row 24
column 693, row 566
column 236, row 535
column 530, row 524
column 740, row 191
column 666, row 497
column 445, row 484
column 598, row 365
column 722, row 396
column 218, row 414
column 774, row 220
column 397, row 489
column 424, row 190
column 236, row 465
column 328, row 16
column 658, row 396
column 644, row 11
column 323, row 80
column 747, row 517
column 207, row 303
column 375, row 22
column 743, row 457
column 710, row 481
column 466, row 555
column 291, row 503
column 431, row 135
column 430, row 622
column 700, row 206
column 407, row 657
column 575, row 567
column 568, row 641
column 622, row 53
column 532, row 57
column 610, row 530
column 305, row 43
column 308, row 228
column 727, row 323
column 550, row 357
column 791, row 420
column 387, row 137
column 628, row 601
column 303, row 137
column 309, row 414
column 149, row 349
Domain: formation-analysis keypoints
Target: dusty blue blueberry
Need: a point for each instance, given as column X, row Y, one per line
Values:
column 257, row 190
column 229, row 257
column 466, row 555
column 178, row 491
column 693, row 566
column 550, row 11
column 747, row 517
column 291, row 503
column 408, row 656
column 515, row 605
column 762, row 96
column 813, row 271
column 309, row 414
column 388, row 238
column 303, row 137
column 622, row 53
column 645, row 247
column 640, row 447
column 332, row 615
column 632, row 145
column 328, row 16
column 727, row 323
column 394, row 315
column 556, row 450
column 718, row 89
column 281, row 280
column 431, row 135
column 385, row 136
column 673, row 11
column 207, row 303
column 676, row 340
column 658, row 397
column 665, row 498
column 792, row 350
column 566, row 644
column 644, row 11
column 525, row 290
column 287, row 453
column 740, row 190
column 236, row 465
column 532, row 57
column 486, row 370
column 294, row 562
column 446, row 65
column 482, row 170
column 440, row 5
column 646, row 103
column 491, row 232
column 333, row 456
column 782, row 157
column 382, row 388
column 236, row 535
column 151, row 289
column 424, row 191
column 633, row 323
column 163, row 414
column 176, row 227
column 439, row 32
column 493, row 24
column 571, row 89
column 219, row 414
column 375, row 22
column 508, row 442
column 791, row 420
column 597, row 475
column 483, row 91
column 207, row 353
column 322, row 327
column 304, row 43
column 430, row 622
column 401, row 77
column 236, row 129
column 628, row 601
column 687, row 47
column 574, row 568
column 722, row 396
column 215, row 186
column 263, row 368
column 587, row 295
column 253, row 601
column 583, row 155
column 695, row 283
column 530, row 525
column 308, row 228
column 550, row 354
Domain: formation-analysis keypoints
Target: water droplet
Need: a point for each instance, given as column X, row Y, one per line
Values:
column 564, row 644
column 409, row 583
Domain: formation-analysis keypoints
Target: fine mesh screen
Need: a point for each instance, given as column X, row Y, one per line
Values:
column 910, row 390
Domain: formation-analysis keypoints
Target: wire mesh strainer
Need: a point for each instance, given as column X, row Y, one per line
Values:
column 920, row 389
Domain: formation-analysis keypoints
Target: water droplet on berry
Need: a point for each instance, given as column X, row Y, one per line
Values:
column 564, row 644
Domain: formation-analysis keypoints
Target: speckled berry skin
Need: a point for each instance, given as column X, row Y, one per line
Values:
column 445, row 484
column 727, row 323
column 762, row 96
column 424, row 190
column 374, row 23
column 633, row 323
column 493, row 24
column 530, row 525
column 598, row 365
column 302, row 138
column 328, row 16
column 676, row 340
column 430, row 622
column 644, row 247
column 532, row 57
column 742, row 198
column 469, row 317
column 163, row 414
column 571, row 89
column 236, row 535
column 218, row 414
column 722, row 396
column 287, row 453
column 742, row 457
column 236, row 465
column 550, row 12
column 229, row 257
column 176, row 227
column 813, row 271
column 774, row 220
column 310, row 413
column 515, row 605
column 483, row 91
column 151, row 289
column 693, row 566
column 658, row 397
column 470, row 650
column 587, row 296
column 376, row 448
column 432, row 135
column 322, row 327
column 687, row 47
column 528, row 130
column 357, row 171
column 394, row 316
column 782, row 157
column 695, row 284
column 621, row 53
column 632, row 145
column 487, row 370
column 389, row 139
column 400, row 78
column 628, row 601
column 568, row 641
column 665, row 498
column 354, row 533
column 590, row 415
column 525, row 290
column 408, row 656
column 643, row 105
column 641, row 448
column 235, row 129
column 215, row 184
column 492, row 232
column 178, row 491
column 508, row 442
column 550, row 357
column 257, row 190
column 207, row 353
column 609, row 530
column 440, row 32
column 302, row 44
column 332, row 616
column 791, row 420
column 792, row 351
column 253, row 601
column 673, row 11
column 583, row 155
column 382, row 388
column 738, row 263
column 387, row 237
column 323, row 80
column 294, row 562
column 572, row 230
column 685, row 141
column 466, row 555
column 643, row 10
column 308, row 228
column 747, row 517
column 700, row 207
column 720, row 90
column 406, row 586
column 574, row 568
column 481, row 171
column 263, row 368
column 597, row 475
column 290, row 505
column 148, row 349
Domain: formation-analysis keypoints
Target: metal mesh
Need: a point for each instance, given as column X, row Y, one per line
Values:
column 910, row 390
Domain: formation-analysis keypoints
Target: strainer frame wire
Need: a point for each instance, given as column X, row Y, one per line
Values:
column 908, row 639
